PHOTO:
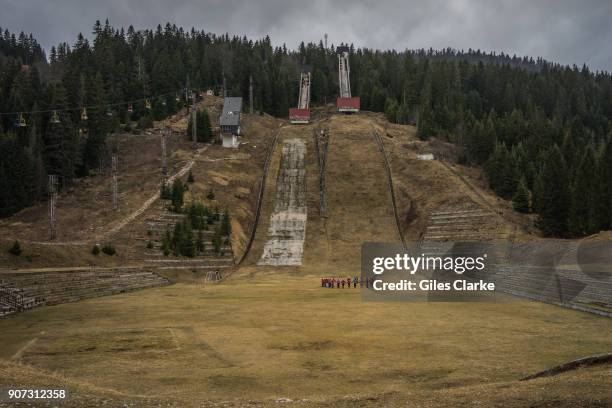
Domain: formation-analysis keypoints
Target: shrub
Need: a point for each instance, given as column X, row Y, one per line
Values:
column 145, row 122
column 190, row 178
column 149, row 245
column 95, row 250
column 109, row 249
column 200, row 243
column 210, row 195
column 216, row 241
column 15, row 249
column 226, row 226
column 178, row 190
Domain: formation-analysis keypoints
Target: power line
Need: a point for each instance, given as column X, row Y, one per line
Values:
column 92, row 107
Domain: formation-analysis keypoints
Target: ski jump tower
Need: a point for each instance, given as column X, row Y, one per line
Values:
column 301, row 114
column 345, row 102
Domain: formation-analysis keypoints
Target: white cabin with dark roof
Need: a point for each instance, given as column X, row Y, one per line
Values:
column 229, row 121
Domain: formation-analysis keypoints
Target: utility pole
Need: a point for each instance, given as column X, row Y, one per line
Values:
column 52, row 204
column 251, row 92
column 194, row 130
column 114, row 173
column 163, row 152
column 187, row 92
column 325, row 36
column 224, row 86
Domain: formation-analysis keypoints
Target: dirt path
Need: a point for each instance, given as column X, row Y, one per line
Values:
column 184, row 170
column 132, row 216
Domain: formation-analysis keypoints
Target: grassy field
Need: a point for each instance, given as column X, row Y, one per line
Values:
column 272, row 335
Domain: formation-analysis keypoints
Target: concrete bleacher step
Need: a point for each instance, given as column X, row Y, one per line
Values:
column 97, row 291
column 60, row 290
column 460, row 216
column 460, row 227
column 50, row 288
column 205, row 263
column 477, row 225
column 532, row 283
column 211, row 255
column 453, row 212
column 467, row 237
column 474, row 223
column 591, row 293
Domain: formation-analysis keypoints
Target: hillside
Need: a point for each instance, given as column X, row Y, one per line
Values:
column 270, row 333
column 85, row 215
column 358, row 198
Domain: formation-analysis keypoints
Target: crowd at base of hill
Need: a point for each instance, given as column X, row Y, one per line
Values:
column 345, row 282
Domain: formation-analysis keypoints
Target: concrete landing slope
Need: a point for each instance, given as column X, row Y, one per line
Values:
column 287, row 228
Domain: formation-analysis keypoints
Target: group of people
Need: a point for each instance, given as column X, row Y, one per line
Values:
column 344, row 282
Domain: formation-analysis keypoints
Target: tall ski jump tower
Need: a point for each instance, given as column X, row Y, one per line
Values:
column 345, row 102
column 301, row 114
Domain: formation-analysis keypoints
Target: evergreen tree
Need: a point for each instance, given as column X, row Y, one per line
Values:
column 583, row 218
column 178, row 191
column 204, row 129
column 61, row 143
column 554, row 196
column 605, row 188
column 520, row 201
column 187, row 246
column 511, row 177
column 472, row 98
column 15, row 249
column 97, row 123
column 496, row 168
column 200, row 242
column 391, row 110
column 480, row 144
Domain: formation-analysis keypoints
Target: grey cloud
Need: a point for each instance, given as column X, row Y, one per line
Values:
column 565, row 31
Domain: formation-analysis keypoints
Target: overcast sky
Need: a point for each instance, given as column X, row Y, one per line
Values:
column 569, row 32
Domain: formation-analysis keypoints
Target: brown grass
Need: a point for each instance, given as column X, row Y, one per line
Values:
column 278, row 335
